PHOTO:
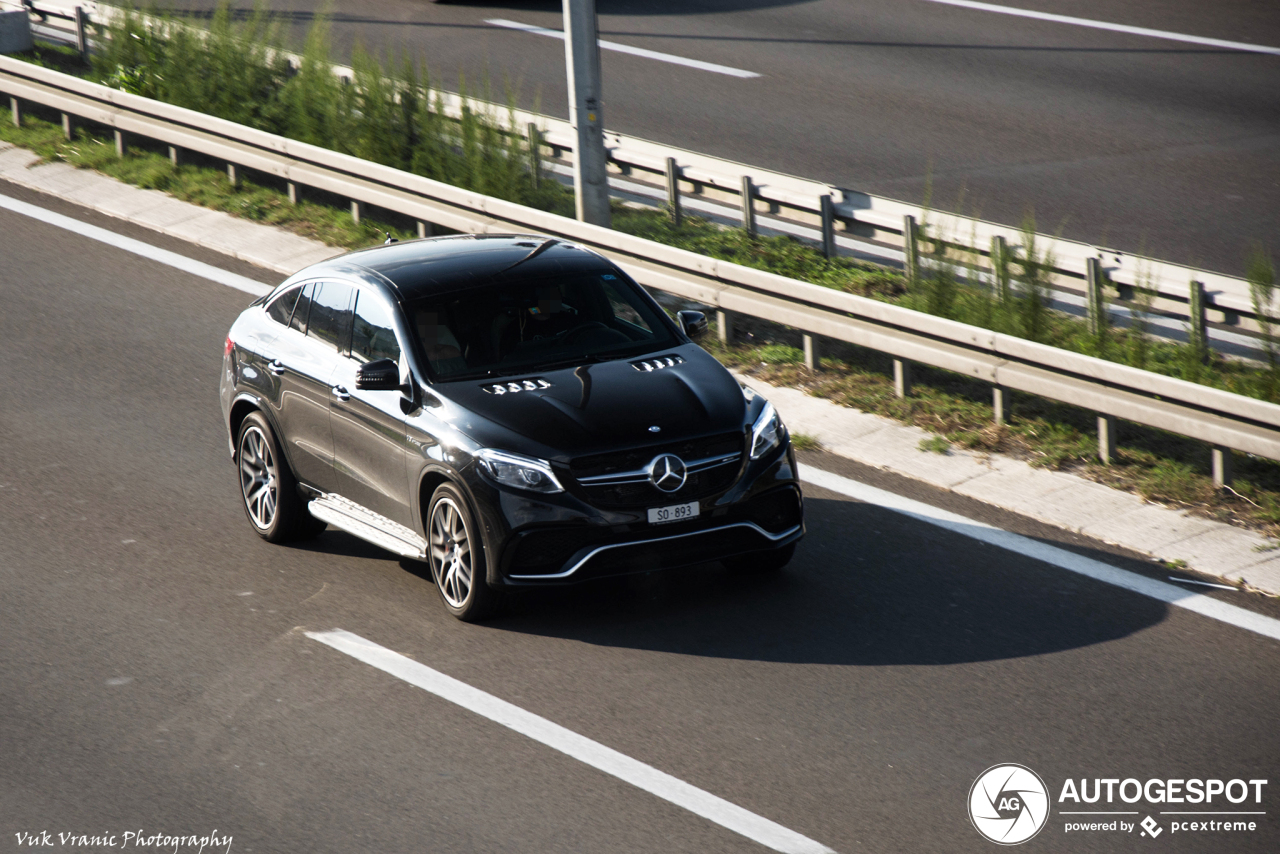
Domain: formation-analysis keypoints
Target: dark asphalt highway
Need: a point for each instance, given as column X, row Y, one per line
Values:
column 155, row 672
column 1143, row 144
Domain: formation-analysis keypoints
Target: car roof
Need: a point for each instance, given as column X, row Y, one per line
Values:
column 436, row 265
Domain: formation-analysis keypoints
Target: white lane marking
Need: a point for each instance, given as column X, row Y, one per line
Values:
column 579, row 747
column 1103, row 25
column 626, row 48
column 1204, row 583
column 1204, row 605
column 137, row 247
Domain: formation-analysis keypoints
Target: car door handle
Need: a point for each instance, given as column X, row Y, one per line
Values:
column 341, row 393
column 276, row 367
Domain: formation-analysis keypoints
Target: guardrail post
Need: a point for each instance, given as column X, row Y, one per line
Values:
column 175, row 156
column 748, row 205
column 1000, row 267
column 1096, row 307
column 1001, row 403
column 121, row 143
column 1106, row 438
column 233, row 174
column 15, row 107
column 902, row 377
column 1223, row 466
column 1199, row 331
column 292, row 189
column 425, row 229
column 812, row 353
column 910, row 247
column 673, row 192
column 82, row 37
column 535, row 153
column 828, row 226
column 357, row 211
column 68, row 126
column 724, row 326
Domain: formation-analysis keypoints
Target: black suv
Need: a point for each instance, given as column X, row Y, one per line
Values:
column 513, row 410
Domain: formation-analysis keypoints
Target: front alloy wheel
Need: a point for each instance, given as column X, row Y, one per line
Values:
column 457, row 556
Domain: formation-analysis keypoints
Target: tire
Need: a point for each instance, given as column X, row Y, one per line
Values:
column 268, row 489
column 455, row 554
column 758, row 563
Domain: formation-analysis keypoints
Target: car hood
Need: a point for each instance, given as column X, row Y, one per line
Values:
column 604, row 406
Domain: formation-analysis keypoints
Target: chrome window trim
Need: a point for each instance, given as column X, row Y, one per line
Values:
column 598, row 549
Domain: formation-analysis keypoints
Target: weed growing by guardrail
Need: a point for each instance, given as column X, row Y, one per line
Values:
column 1261, row 275
column 387, row 112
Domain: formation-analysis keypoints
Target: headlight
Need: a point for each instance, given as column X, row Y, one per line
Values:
column 521, row 472
column 766, row 433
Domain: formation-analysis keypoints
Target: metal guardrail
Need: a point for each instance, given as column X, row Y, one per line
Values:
column 1224, row 420
column 1097, row 274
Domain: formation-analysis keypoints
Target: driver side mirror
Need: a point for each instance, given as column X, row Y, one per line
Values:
column 692, row 323
column 378, row 375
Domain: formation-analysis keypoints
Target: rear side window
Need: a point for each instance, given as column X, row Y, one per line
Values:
column 281, row 309
column 373, row 333
column 330, row 319
column 299, row 319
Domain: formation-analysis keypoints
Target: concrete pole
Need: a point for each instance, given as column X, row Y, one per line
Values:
column 582, row 58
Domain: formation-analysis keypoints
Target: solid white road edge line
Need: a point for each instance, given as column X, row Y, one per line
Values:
column 1205, row 606
column 606, row 759
column 626, row 48
column 1103, row 25
column 137, row 247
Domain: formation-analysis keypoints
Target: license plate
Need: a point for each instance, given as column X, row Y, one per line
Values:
column 674, row 513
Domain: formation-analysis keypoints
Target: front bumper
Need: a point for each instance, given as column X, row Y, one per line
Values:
column 552, row 544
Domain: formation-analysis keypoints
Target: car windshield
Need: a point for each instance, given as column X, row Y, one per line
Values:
column 536, row 324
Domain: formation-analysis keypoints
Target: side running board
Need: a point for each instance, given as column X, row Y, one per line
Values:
column 369, row 526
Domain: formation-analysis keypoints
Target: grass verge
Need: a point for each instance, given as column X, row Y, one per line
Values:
column 1161, row 467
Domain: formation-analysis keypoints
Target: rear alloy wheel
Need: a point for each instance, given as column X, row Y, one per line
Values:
column 456, row 556
column 267, row 486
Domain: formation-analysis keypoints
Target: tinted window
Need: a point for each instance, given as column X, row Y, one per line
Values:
column 373, row 333
column 299, row 319
column 330, row 319
column 281, row 309
column 522, row 326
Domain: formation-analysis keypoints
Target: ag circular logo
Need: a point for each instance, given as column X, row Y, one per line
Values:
column 667, row 472
column 1008, row 804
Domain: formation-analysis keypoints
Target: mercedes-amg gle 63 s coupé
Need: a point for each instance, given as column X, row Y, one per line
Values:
column 512, row 410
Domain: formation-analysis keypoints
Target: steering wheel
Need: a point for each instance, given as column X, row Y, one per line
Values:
column 582, row 329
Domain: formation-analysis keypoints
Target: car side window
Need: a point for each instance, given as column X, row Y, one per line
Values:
column 281, row 308
column 373, row 332
column 299, row 319
column 330, row 319
column 624, row 309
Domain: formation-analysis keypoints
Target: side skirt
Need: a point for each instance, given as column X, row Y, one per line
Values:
column 362, row 522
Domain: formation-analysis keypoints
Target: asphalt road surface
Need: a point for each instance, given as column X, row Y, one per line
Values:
column 158, row 677
column 1166, row 147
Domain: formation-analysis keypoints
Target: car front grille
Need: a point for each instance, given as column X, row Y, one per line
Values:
column 614, row 480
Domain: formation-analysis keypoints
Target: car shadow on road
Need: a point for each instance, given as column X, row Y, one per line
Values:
column 867, row 586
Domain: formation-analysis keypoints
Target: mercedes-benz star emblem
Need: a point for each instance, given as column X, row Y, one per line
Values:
column 667, row 472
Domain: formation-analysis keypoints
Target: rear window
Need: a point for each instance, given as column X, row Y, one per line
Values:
column 281, row 308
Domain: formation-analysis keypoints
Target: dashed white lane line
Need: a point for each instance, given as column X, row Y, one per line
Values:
column 1104, row 25
column 606, row 759
column 1206, row 606
column 626, row 48
column 137, row 247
